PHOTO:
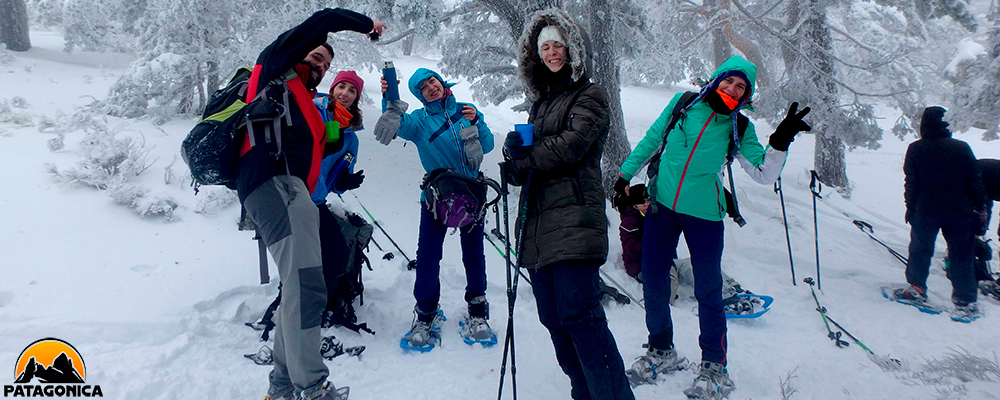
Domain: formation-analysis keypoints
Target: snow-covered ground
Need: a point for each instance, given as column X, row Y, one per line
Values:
column 157, row 308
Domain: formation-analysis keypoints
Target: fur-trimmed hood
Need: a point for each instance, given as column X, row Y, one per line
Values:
column 577, row 48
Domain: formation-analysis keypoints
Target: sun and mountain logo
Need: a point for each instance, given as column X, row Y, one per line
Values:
column 51, row 367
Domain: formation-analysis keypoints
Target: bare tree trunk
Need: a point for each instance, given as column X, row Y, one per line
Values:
column 408, row 45
column 617, row 147
column 829, row 158
column 721, row 51
column 14, row 25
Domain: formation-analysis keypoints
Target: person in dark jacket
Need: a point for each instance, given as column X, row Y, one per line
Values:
column 942, row 190
column 989, row 170
column 564, row 233
column 278, row 169
column 633, row 212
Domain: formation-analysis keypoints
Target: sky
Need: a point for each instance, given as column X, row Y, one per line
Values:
column 156, row 308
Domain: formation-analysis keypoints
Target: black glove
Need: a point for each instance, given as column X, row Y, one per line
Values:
column 619, row 199
column 620, row 186
column 513, row 146
column 512, row 172
column 355, row 219
column 908, row 216
column 784, row 134
column 349, row 181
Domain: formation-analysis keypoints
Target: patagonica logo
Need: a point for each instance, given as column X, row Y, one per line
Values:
column 51, row 367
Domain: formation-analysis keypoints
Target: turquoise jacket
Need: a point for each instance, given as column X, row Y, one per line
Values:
column 434, row 128
column 688, row 181
column 337, row 163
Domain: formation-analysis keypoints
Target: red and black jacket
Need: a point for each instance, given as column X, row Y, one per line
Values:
column 302, row 142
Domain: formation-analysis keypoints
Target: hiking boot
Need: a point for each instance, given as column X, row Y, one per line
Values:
column 423, row 335
column 966, row 312
column 911, row 293
column 477, row 330
column 712, row 383
column 646, row 369
column 326, row 391
column 281, row 394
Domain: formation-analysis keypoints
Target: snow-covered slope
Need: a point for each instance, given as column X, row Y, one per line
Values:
column 157, row 308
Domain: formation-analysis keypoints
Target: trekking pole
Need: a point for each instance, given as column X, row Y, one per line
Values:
column 383, row 230
column 505, row 256
column 867, row 229
column 621, row 289
column 508, row 343
column 784, row 219
column 835, row 337
column 815, row 186
column 856, row 340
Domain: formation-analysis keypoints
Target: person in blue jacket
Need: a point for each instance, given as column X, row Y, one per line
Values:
column 448, row 134
column 342, row 118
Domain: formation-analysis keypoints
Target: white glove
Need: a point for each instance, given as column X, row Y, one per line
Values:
column 473, row 149
column 388, row 124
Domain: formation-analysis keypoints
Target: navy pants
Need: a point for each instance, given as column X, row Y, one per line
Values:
column 569, row 306
column 957, row 232
column 659, row 248
column 427, row 288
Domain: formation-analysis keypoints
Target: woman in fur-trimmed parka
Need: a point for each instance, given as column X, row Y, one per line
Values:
column 564, row 237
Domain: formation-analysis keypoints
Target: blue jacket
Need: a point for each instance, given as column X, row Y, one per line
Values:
column 434, row 128
column 336, row 163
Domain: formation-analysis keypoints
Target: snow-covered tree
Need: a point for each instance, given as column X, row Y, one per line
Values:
column 14, row 25
column 976, row 71
column 102, row 25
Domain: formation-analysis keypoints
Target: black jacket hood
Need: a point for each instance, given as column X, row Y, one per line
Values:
column 932, row 124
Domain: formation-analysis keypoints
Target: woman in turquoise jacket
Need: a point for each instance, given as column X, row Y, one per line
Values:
column 690, row 200
column 448, row 134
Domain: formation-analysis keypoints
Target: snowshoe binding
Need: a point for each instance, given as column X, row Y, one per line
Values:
column 712, row 383
column 326, row 392
column 911, row 296
column 966, row 312
column 654, row 364
column 990, row 289
column 423, row 336
column 330, row 348
column 476, row 330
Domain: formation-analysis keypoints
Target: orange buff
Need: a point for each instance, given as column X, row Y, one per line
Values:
column 341, row 115
column 728, row 100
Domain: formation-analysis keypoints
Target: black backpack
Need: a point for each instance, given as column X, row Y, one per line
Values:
column 211, row 149
column 340, row 300
column 457, row 200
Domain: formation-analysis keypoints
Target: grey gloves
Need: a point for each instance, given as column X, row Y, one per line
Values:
column 388, row 124
column 473, row 149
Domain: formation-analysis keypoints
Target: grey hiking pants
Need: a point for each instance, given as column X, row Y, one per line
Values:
column 288, row 221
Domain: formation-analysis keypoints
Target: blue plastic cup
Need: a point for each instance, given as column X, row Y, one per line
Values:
column 527, row 132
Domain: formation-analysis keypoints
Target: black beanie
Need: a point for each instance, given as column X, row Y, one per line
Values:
column 932, row 124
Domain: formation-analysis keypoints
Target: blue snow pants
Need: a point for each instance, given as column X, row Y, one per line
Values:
column 659, row 248
column 427, row 288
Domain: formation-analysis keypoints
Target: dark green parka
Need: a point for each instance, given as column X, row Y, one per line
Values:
column 565, row 201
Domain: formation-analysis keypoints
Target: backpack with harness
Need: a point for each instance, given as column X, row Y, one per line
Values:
column 212, row 148
column 340, row 301
column 457, row 200
column 679, row 112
